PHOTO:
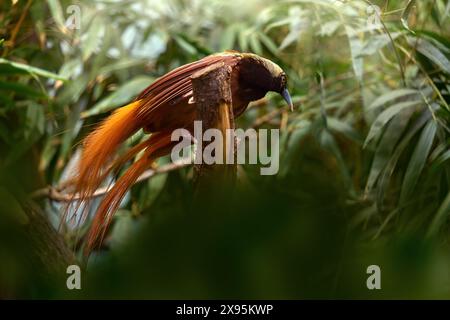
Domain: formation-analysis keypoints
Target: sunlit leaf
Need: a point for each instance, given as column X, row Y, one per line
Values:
column 57, row 12
column 31, row 70
column 121, row 96
column 93, row 37
column 406, row 13
column 228, row 38
column 391, row 95
column 355, row 49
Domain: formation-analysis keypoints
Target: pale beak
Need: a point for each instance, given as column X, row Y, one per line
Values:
column 287, row 97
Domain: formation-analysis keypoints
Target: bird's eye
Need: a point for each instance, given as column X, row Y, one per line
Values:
column 283, row 80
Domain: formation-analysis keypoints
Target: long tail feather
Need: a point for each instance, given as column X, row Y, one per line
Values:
column 100, row 146
column 158, row 144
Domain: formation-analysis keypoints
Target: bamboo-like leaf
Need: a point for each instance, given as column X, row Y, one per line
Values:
column 384, row 150
column 329, row 28
column 294, row 139
column 32, row 70
column 384, row 117
column 434, row 54
column 106, row 70
column 21, row 89
column 57, row 12
column 439, row 218
column 268, row 43
column 35, row 120
column 355, row 50
column 417, row 162
column 119, row 97
column 243, row 40
column 123, row 227
column 390, row 167
column 405, row 14
column 93, row 37
column 255, row 44
column 228, row 38
column 376, row 43
column 343, row 127
column 391, row 95
column 186, row 46
column 328, row 142
column 443, row 157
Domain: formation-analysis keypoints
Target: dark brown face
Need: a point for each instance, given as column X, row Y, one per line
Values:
column 257, row 76
column 254, row 73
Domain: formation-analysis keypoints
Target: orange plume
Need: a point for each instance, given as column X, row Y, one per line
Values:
column 97, row 162
column 100, row 146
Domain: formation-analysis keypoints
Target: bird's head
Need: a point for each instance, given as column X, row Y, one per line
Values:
column 262, row 75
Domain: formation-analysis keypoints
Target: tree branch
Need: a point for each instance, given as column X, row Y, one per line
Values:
column 212, row 95
column 55, row 194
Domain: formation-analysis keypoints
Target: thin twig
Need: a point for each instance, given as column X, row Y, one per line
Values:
column 54, row 193
column 12, row 40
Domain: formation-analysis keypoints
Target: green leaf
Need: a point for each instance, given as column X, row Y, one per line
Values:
column 268, row 43
column 329, row 28
column 255, row 44
column 293, row 141
column 120, row 97
column 417, row 162
column 228, row 38
column 391, row 95
column 329, row 143
column 21, row 89
column 385, row 149
column 405, row 14
column 390, row 167
column 384, row 117
column 119, row 65
column 243, row 40
column 440, row 216
column 35, row 119
column 123, row 228
column 376, row 43
column 355, row 50
column 343, row 127
column 434, row 54
column 57, row 12
column 9, row 205
column 32, row 70
column 69, row 69
column 72, row 91
column 443, row 158
column 185, row 45
column 93, row 37
column 153, row 189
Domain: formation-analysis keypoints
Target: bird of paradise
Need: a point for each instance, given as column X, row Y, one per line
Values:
column 167, row 104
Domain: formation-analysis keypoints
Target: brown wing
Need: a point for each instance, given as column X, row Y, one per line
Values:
column 176, row 85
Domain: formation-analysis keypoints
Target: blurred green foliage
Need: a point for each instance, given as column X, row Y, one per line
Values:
column 364, row 172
